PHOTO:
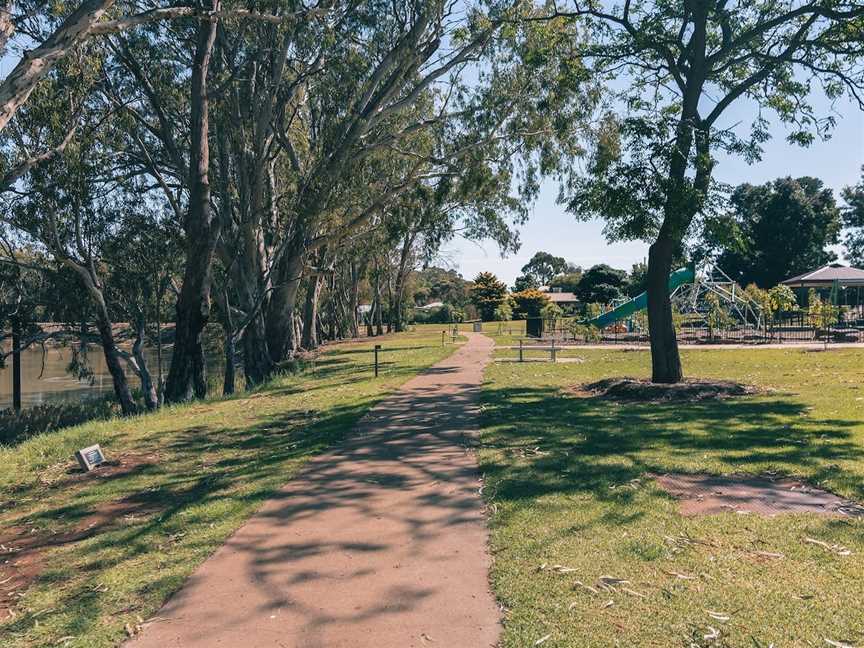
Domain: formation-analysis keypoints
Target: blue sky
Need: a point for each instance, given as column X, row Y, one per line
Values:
column 837, row 162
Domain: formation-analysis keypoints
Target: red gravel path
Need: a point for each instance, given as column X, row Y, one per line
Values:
column 379, row 544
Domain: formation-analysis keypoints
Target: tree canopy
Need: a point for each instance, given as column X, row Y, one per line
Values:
column 295, row 165
column 487, row 294
column 853, row 220
column 679, row 68
column 601, row 284
column 775, row 231
column 543, row 267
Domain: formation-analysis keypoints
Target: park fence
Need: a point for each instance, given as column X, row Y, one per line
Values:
column 791, row 330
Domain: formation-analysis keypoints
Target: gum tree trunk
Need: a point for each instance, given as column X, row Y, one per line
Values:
column 310, row 313
column 665, row 359
column 683, row 202
column 257, row 363
column 229, row 379
column 151, row 398
column 187, row 374
column 106, row 337
column 112, row 361
column 281, row 325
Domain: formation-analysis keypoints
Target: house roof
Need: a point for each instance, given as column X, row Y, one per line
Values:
column 562, row 297
column 431, row 305
column 827, row 275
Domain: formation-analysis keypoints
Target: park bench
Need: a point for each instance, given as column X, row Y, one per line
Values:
column 551, row 348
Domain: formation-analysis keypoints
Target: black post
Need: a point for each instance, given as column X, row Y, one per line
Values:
column 377, row 348
column 16, row 364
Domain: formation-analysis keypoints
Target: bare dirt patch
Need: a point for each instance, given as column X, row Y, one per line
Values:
column 702, row 494
column 130, row 462
column 636, row 390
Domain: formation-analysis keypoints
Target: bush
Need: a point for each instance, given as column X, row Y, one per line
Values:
column 20, row 426
column 444, row 315
column 551, row 313
column 529, row 303
column 587, row 332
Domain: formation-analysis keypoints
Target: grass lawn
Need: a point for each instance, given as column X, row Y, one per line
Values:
column 566, row 483
column 122, row 542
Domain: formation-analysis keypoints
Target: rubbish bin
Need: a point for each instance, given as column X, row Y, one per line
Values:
column 534, row 327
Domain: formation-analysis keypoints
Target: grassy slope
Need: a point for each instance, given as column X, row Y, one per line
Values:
column 217, row 462
column 559, row 474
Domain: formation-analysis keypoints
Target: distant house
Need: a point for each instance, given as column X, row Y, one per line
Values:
column 431, row 306
column 565, row 300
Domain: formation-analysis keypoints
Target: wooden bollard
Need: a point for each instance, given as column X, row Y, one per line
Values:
column 377, row 349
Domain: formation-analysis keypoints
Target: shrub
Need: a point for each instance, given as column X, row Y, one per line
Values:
column 587, row 332
column 530, row 303
column 47, row 417
column 444, row 315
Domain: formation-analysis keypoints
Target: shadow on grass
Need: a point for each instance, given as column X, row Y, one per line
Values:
column 540, row 442
column 187, row 489
column 209, row 478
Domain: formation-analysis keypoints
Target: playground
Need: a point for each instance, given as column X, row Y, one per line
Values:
column 819, row 307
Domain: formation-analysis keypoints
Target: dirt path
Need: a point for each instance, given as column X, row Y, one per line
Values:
column 380, row 544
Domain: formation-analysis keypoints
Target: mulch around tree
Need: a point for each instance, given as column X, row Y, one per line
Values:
column 703, row 494
column 637, row 390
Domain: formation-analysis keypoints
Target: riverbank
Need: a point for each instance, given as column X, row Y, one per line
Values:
column 89, row 555
column 60, row 369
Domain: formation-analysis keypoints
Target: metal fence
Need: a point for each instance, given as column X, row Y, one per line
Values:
column 790, row 331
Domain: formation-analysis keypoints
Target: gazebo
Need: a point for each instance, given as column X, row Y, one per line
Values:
column 833, row 277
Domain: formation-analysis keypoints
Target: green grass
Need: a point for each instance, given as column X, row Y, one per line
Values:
column 566, row 482
column 217, row 462
column 504, row 333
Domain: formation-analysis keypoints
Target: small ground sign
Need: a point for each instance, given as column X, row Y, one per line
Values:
column 90, row 457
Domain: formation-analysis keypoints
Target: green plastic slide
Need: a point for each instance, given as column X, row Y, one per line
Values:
column 640, row 301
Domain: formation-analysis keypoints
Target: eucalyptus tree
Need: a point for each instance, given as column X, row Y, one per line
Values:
column 314, row 146
column 264, row 87
column 684, row 65
column 61, row 210
column 51, row 34
column 159, row 81
column 144, row 259
column 853, row 220
column 60, row 206
column 359, row 112
column 172, row 143
column 91, row 212
column 399, row 94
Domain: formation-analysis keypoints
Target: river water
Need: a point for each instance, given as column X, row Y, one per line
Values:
column 44, row 377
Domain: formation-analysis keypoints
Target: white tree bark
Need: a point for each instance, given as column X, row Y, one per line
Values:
column 7, row 27
column 84, row 22
column 36, row 64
